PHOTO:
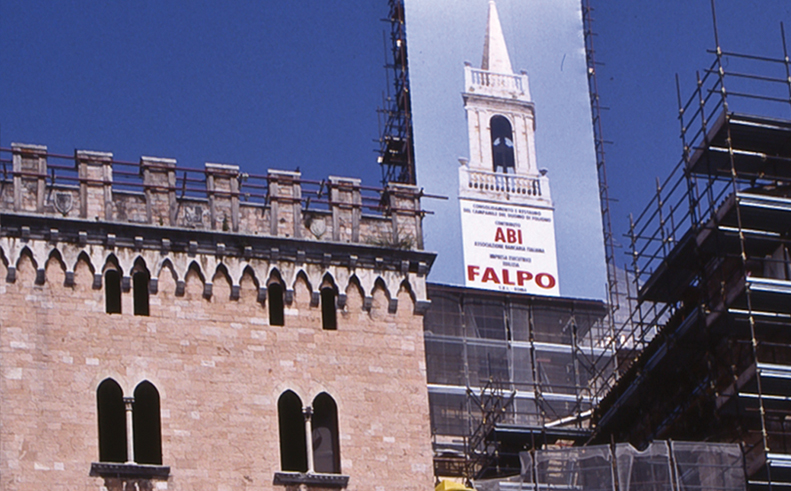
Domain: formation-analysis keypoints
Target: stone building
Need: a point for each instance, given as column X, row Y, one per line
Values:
column 173, row 328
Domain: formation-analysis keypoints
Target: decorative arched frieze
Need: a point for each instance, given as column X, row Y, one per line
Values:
column 353, row 294
column 301, row 278
column 221, row 275
column 163, row 272
column 193, row 270
column 235, row 267
column 207, row 266
column 12, row 247
column 54, row 266
column 248, row 282
column 379, row 297
column 126, row 259
column 39, row 251
column 261, row 271
column 71, row 256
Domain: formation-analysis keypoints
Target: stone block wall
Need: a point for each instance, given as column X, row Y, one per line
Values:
column 206, row 345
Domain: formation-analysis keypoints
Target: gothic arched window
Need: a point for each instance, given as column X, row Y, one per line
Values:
column 112, row 421
column 140, row 282
column 291, row 421
column 502, row 145
column 274, row 295
column 146, row 423
column 112, row 291
column 326, row 448
column 329, row 318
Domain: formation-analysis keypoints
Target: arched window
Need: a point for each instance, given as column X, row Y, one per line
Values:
column 502, row 145
column 326, row 449
column 146, row 424
column 140, row 282
column 274, row 295
column 112, row 291
column 293, row 453
column 112, row 422
column 329, row 320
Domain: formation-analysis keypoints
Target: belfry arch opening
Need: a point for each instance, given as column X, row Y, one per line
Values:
column 502, row 145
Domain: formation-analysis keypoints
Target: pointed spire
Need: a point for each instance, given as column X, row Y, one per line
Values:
column 495, row 53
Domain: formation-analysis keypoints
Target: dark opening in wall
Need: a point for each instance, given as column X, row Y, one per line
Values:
column 502, row 145
column 112, row 422
column 146, row 425
column 326, row 449
column 140, row 282
column 274, row 295
column 112, row 291
column 293, row 448
column 329, row 319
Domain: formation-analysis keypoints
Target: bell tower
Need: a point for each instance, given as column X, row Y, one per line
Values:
column 500, row 112
column 506, row 208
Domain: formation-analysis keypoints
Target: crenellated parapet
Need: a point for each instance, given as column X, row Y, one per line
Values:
column 169, row 220
column 157, row 192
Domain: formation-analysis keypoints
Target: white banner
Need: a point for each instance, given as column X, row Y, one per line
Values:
column 509, row 248
column 544, row 40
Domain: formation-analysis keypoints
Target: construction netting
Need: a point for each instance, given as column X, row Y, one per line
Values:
column 708, row 466
column 647, row 470
column 588, row 468
column 662, row 466
column 513, row 483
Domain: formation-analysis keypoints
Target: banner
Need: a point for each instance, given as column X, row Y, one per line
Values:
column 501, row 114
column 509, row 248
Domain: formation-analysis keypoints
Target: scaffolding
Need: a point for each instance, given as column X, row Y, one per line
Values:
column 507, row 372
column 396, row 143
column 706, row 351
column 613, row 292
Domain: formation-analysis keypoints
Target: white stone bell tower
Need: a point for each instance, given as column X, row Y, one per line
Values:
column 506, row 208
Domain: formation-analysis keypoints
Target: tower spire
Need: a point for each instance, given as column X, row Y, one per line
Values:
column 495, row 53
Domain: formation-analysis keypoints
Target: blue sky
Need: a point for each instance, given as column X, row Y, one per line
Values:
column 296, row 84
column 643, row 46
column 259, row 84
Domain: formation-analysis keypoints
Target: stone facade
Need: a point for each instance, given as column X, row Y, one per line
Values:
column 207, row 344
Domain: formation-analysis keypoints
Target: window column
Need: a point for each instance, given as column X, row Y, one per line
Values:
column 130, row 445
column 307, row 412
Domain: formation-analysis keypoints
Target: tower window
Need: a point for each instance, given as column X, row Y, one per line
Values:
column 274, row 294
column 142, row 429
column 140, row 282
column 321, row 422
column 112, row 291
column 146, row 424
column 329, row 320
column 502, row 145
column 326, row 451
column 293, row 454
column 112, row 422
